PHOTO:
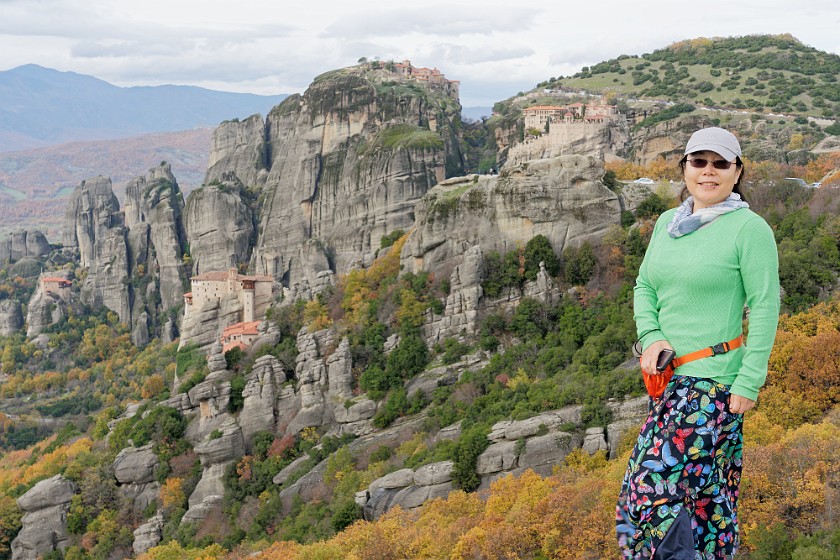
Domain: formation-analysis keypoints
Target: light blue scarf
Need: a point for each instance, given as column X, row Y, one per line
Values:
column 685, row 221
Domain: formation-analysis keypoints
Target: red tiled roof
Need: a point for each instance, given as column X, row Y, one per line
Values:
column 55, row 279
column 240, row 329
column 236, row 344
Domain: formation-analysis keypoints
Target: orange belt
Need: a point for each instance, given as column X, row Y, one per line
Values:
column 656, row 384
column 720, row 348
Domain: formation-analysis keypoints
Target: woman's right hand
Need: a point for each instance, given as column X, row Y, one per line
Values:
column 651, row 354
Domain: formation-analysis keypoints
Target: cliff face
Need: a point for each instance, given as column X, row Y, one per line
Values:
column 92, row 211
column 561, row 198
column 220, row 225
column 241, row 148
column 346, row 163
column 157, row 200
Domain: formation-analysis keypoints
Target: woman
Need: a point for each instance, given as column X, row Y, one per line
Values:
column 706, row 259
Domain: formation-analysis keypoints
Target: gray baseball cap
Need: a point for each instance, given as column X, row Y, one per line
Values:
column 714, row 139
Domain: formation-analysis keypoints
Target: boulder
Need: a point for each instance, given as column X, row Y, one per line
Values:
column 397, row 479
column 135, row 465
column 45, row 508
column 434, row 473
column 11, row 316
column 594, row 441
column 221, row 446
column 148, row 535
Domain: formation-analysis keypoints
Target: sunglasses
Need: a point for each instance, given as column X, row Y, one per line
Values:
column 700, row 163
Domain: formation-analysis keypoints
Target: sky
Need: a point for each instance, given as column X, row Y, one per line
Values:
column 270, row 47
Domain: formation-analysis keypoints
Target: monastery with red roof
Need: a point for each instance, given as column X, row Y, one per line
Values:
column 253, row 292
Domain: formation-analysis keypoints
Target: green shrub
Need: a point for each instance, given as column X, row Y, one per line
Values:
column 579, row 264
column 391, row 238
column 453, row 350
column 344, row 514
column 236, row 401
column 382, row 453
column 471, row 444
column 651, row 207
column 537, row 250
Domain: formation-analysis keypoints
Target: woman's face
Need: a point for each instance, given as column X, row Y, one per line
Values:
column 709, row 185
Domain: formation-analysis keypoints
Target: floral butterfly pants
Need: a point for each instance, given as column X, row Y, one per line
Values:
column 687, row 457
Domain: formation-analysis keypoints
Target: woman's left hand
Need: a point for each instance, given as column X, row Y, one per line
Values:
column 739, row 404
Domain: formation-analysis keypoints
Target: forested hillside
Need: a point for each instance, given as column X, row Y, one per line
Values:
column 756, row 72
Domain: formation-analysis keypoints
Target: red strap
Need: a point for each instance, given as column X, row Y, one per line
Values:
column 721, row 348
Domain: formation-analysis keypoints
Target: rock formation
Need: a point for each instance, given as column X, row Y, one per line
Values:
column 240, row 148
column 45, row 508
column 134, row 469
column 44, row 309
column 220, row 225
column 156, row 200
column 346, row 162
column 134, row 260
column 92, row 211
column 11, row 316
column 20, row 244
column 561, row 198
column 148, row 535
column 605, row 141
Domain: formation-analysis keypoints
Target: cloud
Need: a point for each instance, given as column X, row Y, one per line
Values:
column 441, row 20
column 461, row 54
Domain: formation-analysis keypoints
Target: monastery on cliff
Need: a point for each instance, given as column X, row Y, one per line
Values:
column 560, row 130
column 253, row 292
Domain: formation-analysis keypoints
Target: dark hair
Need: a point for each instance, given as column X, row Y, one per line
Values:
column 736, row 189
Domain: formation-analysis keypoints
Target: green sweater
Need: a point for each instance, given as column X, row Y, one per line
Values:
column 691, row 292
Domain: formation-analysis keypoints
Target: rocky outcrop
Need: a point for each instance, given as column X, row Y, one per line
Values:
column 220, row 224
column 106, row 284
column 94, row 227
column 606, row 141
column 92, row 211
column 157, row 200
column 262, row 386
column 323, row 393
column 407, row 488
column 44, row 309
column 340, row 167
column 240, row 148
column 134, row 469
column 148, row 535
column 20, row 244
column 45, row 508
column 538, row 443
column 561, row 198
column 666, row 139
column 11, row 316
column 204, row 325
column 216, row 452
column 134, row 259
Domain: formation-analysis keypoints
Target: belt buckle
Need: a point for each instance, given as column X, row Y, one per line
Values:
column 719, row 348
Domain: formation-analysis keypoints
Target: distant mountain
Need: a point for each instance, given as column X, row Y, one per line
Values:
column 41, row 107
